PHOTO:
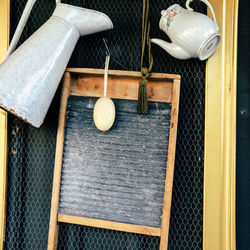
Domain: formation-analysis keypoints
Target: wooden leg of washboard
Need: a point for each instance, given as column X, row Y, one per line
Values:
column 170, row 166
column 53, row 226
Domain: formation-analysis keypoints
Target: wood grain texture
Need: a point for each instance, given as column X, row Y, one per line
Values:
column 121, row 73
column 170, row 166
column 109, row 225
column 123, row 85
column 53, row 226
column 122, row 88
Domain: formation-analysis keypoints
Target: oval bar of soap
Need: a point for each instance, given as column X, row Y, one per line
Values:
column 104, row 113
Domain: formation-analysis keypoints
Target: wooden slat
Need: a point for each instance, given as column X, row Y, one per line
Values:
column 219, row 194
column 4, row 27
column 53, row 227
column 109, row 225
column 4, row 44
column 3, row 174
column 170, row 166
column 121, row 73
column 122, row 88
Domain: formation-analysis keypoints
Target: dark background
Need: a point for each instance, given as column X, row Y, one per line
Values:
column 31, row 151
column 243, row 130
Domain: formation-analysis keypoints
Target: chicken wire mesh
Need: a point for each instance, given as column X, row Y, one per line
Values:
column 31, row 151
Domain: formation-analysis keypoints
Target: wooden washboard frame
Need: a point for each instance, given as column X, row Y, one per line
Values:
column 89, row 82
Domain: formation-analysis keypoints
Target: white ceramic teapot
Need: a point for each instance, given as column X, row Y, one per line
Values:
column 192, row 34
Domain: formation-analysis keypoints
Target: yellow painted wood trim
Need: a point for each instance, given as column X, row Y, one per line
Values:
column 220, row 134
column 4, row 42
column 4, row 27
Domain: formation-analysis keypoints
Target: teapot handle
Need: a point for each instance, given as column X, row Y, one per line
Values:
column 209, row 6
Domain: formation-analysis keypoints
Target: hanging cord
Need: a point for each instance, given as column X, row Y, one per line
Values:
column 106, row 67
column 145, row 71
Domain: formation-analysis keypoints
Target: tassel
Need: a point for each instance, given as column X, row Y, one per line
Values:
column 142, row 107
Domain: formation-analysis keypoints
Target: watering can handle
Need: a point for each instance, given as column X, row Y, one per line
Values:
column 209, row 6
column 20, row 26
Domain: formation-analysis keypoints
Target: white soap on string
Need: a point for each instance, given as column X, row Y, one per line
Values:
column 104, row 110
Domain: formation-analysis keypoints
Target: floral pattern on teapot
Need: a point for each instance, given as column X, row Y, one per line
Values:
column 170, row 13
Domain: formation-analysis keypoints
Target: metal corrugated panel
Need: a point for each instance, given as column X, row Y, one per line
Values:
column 118, row 175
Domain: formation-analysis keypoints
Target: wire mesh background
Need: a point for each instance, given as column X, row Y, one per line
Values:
column 31, row 151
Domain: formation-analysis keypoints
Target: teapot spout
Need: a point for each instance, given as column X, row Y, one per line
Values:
column 172, row 49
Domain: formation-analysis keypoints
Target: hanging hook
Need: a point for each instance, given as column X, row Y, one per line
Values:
column 106, row 46
column 105, row 41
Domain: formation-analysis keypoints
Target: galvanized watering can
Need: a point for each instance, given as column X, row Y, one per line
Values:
column 30, row 75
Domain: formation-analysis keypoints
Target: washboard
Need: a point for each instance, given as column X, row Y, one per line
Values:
column 121, row 179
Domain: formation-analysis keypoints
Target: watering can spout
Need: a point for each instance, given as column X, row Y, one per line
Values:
column 30, row 76
column 172, row 49
column 86, row 21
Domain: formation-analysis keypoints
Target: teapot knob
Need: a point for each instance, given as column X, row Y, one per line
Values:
column 209, row 6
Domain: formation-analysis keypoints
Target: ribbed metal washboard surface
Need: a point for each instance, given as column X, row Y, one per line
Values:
column 118, row 175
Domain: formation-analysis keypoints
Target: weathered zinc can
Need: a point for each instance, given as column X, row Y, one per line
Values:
column 30, row 76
